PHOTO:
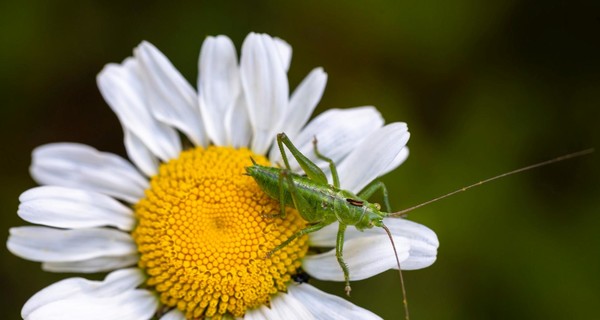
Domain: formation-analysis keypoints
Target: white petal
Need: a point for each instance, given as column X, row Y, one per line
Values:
column 304, row 100
column 423, row 242
column 172, row 100
column 416, row 244
column 100, row 264
column 83, row 167
column 265, row 86
column 338, row 132
column 421, row 255
column 290, row 308
column 369, row 159
column 398, row 160
column 77, row 298
column 326, row 306
column 126, row 92
column 285, row 52
column 366, row 257
column 218, row 84
column 174, row 314
column 133, row 304
column 409, row 229
column 72, row 208
column 57, row 245
column 237, row 124
column 114, row 283
column 56, row 291
column 140, row 154
column 283, row 306
column 326, row 237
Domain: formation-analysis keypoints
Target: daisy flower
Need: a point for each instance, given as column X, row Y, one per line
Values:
column 183, row 233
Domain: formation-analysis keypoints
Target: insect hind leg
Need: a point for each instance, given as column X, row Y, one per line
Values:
column 310, row 168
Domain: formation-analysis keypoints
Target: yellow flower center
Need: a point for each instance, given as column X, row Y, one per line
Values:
column 204, row 233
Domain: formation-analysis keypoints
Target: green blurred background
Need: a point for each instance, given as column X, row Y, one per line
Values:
column 484, row 86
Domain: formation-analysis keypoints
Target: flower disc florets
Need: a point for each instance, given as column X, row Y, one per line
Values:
column 204, row 233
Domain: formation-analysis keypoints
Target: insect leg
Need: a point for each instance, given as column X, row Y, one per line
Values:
column 283, row 173
column 307, row 230
column 334, row 174
column 282, row 180
column 310, row 168
column 370, row 189
column 306, row 211
column 339, row 246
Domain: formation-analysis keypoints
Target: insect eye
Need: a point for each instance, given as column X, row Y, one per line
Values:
column 378, row 206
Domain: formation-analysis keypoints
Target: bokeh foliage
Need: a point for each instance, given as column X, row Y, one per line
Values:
column 485, row 86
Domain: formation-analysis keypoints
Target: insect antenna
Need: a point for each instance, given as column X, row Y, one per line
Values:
column 404, row 301
column 536, row 165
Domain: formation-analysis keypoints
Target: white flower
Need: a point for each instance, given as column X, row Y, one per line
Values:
column 99, row 213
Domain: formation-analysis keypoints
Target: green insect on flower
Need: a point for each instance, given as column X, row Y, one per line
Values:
column 320, row 203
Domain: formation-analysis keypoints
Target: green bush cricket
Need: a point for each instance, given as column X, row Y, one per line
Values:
column 320, row 203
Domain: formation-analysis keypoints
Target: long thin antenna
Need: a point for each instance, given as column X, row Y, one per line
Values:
column 540, row 164
column 404, row 301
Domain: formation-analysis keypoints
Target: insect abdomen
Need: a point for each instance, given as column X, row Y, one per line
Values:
column 268, row 180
